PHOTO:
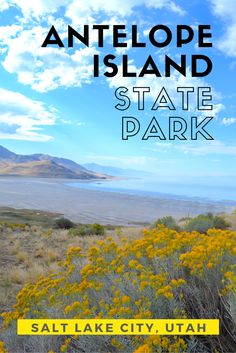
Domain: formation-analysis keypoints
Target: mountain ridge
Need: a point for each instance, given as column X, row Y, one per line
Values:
column 116, row 171
column 43, row 165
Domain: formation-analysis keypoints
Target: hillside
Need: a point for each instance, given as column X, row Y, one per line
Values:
column 43, row 166
column 41, row 169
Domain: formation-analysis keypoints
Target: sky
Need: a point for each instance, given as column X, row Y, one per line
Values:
column 51, row 102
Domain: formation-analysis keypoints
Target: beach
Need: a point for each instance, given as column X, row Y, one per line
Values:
column 89, row 206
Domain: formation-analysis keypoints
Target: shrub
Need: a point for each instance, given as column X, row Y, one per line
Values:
column 200, row 224
column 74, row 232
column 87, row 229
column 203, row 222
column 14, row 226
column 167, row 221
column 81, row 231
column 64, row 223
column 2, row 347
column 163, row 274
column 220, row 223
column 98, row 229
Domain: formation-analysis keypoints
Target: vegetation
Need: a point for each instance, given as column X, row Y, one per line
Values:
column 64, row 223
column 87, row 229
column 24, row 216
column 98, row 229
column 28, row 251
column 167, row 221
column 162, row 274
column 202, row 223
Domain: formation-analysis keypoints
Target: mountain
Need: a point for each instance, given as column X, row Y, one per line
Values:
column 43, row 166
column 114, row 171
column 5, row 154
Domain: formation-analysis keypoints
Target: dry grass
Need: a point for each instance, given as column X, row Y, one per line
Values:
column 52, row 255
column 22, row 257
column 15, row 248
column 5, row 295
column 23, row 276
column 231, row 218
column 17, row 275
column 53, row 267
column 26, row 254
column 39, row 253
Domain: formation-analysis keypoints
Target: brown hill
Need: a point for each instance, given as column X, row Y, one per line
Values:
column 42, row 169
column 43, row 166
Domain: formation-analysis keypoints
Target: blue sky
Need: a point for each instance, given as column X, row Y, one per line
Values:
column 51, row 103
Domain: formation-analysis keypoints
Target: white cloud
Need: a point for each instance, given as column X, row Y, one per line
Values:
column 86, row 9
column 209, row 147
column 4, row 5
column 8, row 32
column 66, row 121
column 23, row 118
column 228, row 121
column 217, row 109
column 227, row 43
column 202, row 148
column 45, row 69
column 39, row 7
column 226, row 10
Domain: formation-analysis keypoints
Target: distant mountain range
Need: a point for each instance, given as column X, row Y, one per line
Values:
column 43, row 166
column 46, row 166
column 116, row 171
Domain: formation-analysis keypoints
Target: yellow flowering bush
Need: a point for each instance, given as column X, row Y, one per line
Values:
column 164, row 274
column 3, row 347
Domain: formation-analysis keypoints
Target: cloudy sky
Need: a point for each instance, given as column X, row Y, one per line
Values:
column 51, row 103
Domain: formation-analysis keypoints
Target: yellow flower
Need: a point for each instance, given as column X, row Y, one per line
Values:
column 125, row 299
column 143, row 349
column 3, row 347
column 210, row 264
column 133, row 263
column 168, row 295
column 120, row 269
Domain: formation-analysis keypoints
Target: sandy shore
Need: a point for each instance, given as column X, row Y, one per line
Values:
column 88, row 206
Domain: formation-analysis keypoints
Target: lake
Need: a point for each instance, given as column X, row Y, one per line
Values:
column 211, row 188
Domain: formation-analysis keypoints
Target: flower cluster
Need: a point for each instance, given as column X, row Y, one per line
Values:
column 164, row 274
column 2, row 347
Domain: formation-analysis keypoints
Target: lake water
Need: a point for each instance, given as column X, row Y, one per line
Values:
column 211, row 188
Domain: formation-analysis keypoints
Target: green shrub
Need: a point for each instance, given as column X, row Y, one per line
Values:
column 87, row 229
column 167, row 221
column 200, row 224
column 98, row 229
column 64, row 223
column 74, row 232
column 220, row 223
column 203, row 222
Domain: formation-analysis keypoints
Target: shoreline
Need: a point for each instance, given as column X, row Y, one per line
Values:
column 146, row 193
column 94, row 206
